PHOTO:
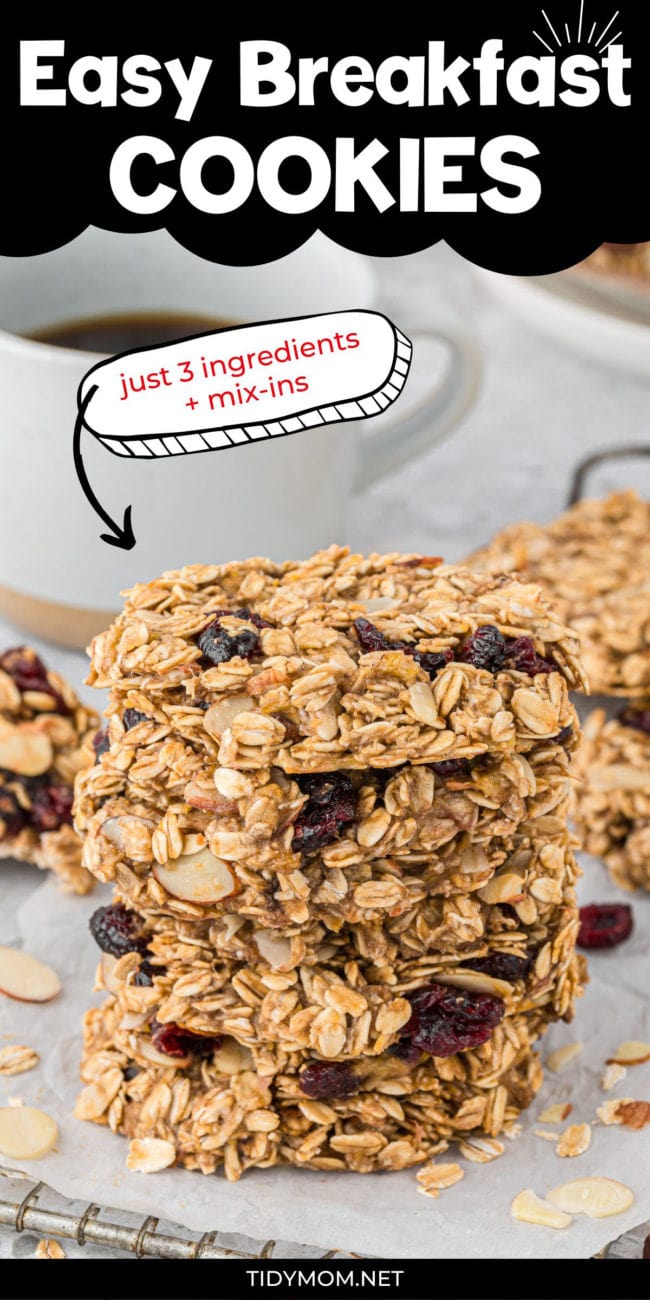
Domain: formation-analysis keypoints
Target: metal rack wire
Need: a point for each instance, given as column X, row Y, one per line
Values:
column 142, row 1240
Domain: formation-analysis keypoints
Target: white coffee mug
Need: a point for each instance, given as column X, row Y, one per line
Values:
column 283, row 498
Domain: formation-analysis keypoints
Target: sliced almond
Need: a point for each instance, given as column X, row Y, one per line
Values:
column 575, row 1140
column 505, row 888
column 612, row 1074
column 562, row 1057
column 530, row 1208
column 273, row 947
column 596, row 1197
column 27, row 753
column 220, row 716
column 197, row 877
column 130, row 834
column 26, row 1133
column 476, row 982
column 556, row 1114
column 150, row 1155
column 24, row 978
column 630, row 1052
column 107, row 966
column 232, row 1057
column 625, row 1111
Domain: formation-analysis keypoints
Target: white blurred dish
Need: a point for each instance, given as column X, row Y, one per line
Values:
column 603, row 325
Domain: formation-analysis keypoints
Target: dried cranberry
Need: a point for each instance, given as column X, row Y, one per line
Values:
column 431, row 662
column 502, row 965
column 453, row 769
column 218, row 646
column 117, row 931
column 637, row 718
column 371, row 639
column 132, row 717
column 101, row 743
column 30, row 674
column 51, row 808
column 604, row 925
column 331, row 805
column 328, row 1079
column 172, row 1040
column 447, row 1020
column 563, row 736
column 485, row 648
column 523, row 657
column 12, row 816
column 144, row 975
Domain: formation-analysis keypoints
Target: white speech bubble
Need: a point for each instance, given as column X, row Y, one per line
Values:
column 245, row 384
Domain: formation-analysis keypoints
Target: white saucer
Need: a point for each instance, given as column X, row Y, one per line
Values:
column 578, row 315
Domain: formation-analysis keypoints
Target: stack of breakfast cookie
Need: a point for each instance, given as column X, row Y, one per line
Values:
column 45, row 739
column 594, row 563
column 332, row 800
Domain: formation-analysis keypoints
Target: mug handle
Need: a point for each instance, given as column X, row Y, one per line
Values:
column 394, row 443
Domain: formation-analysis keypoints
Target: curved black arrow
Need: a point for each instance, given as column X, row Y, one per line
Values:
column 122, row 537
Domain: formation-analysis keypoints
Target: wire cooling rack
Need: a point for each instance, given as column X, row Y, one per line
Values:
column 99, row 1225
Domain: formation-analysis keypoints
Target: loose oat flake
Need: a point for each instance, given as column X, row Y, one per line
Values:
column 48, row 1248
column 17, row 1059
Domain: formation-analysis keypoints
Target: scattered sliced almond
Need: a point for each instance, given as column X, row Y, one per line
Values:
column 17, row 1059
column 575, row 1140
column 530, row 1208
column 597, row 1197
column 197, row 878
column 625, row 1111
column 26, row 1133
column 48, row 1248
column 433, row 1178
column 630, row 1052
column 612, row 1074
column 150, row 1155
column 561, row 1058
column 24, row 978
column 556, row 1113
column 481, row 1149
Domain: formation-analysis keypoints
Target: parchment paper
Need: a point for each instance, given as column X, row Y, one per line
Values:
column 375, row 1214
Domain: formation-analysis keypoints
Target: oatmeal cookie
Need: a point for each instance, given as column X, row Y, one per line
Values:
column 45, row 739
column 234, row 1108
column 593, row 562
column 613, row 797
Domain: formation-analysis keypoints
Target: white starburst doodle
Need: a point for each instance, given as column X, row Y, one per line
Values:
column 591, row 39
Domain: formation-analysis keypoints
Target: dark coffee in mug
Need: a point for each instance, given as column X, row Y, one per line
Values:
column 126, row 331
